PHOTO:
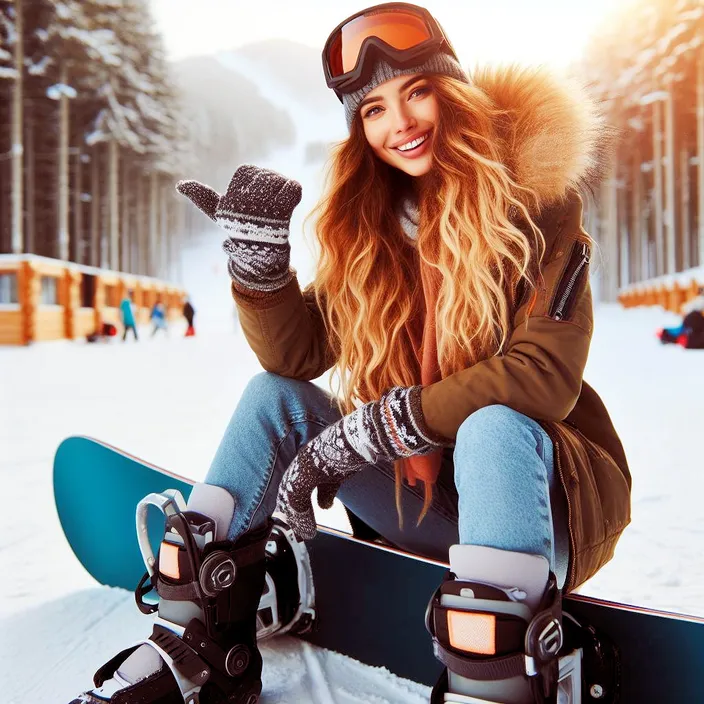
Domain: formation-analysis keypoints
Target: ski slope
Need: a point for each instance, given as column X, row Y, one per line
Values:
column 168, row 400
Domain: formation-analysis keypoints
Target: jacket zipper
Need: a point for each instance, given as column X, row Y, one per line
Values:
column 558, row 310
column 570, row 561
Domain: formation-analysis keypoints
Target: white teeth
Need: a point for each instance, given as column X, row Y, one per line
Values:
column 414, row 143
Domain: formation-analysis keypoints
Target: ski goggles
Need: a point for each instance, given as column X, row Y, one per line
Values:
column 404, row 34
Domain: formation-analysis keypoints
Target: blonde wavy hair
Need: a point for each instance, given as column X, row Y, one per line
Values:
column 475, row 231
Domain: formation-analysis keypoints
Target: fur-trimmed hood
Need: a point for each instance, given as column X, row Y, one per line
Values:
column 554, row 138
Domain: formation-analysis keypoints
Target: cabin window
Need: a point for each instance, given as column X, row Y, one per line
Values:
column 111, row 300
column 8, row 288
column 49, row 291
column 87, row 291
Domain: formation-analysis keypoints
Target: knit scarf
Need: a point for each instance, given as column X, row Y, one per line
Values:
column 423, row 467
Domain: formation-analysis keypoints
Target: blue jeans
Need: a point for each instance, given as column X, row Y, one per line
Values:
column 497, row 487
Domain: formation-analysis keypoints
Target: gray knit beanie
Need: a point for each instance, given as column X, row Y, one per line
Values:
column 439, row 63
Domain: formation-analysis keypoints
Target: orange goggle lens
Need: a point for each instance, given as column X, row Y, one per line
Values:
column 400, row 30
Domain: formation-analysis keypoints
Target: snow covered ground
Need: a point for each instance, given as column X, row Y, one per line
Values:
column 168, row 400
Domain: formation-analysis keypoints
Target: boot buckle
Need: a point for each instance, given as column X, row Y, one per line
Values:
column 217, row 573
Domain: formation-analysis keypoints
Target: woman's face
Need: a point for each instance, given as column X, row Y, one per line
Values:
column 399, row 117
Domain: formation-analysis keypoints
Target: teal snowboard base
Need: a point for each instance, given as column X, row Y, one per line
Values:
column 370, row 600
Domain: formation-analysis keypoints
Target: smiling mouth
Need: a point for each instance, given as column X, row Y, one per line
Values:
column 414, row 144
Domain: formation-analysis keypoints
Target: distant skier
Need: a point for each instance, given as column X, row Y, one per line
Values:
column 690, row 332
column 189, row 314
column 693, row 331
column 452, row 298
column 102, row 332
column 158, row 318
column 127, row 315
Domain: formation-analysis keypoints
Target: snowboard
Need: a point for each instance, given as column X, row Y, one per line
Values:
column 370, row 599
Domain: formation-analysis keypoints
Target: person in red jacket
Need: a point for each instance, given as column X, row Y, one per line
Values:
column 189, row 314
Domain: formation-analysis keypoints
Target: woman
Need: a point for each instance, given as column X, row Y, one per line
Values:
column 452, row 299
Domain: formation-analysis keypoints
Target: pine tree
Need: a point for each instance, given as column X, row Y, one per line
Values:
column 97, row 85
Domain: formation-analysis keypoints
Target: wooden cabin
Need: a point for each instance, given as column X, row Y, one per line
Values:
column 48, row 299
column 671, row 296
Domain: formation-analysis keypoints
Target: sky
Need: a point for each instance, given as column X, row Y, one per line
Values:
column 552, row 32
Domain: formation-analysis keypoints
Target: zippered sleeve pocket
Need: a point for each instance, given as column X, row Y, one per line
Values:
column 570, row 281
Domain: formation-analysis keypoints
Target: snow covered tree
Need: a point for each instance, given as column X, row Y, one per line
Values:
column 11, row 95
column 7, row 39
column 645, row 64
column 106, row 126
column 101, row 122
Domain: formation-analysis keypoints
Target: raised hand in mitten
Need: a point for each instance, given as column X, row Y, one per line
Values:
column 256, row 214
column 388, row 429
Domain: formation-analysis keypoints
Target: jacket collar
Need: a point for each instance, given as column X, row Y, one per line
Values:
column 553, row 137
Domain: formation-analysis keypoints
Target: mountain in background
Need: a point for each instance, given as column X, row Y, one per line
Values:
column 230, row 117
column 229, row 121
column 297, row 66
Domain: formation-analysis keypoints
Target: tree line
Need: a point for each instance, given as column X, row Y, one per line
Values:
column 646, row 66
column 92, row 135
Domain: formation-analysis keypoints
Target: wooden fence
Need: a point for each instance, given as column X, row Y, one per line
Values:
column 670, row 295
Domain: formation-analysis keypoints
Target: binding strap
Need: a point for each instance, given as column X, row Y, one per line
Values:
column 477, row 644
column 213, row 574
column 492, row 669
column 207, row 582
column 493, row 645
column 184, row 658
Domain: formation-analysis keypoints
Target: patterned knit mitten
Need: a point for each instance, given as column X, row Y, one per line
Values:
column 256, row 213
column 388, row 429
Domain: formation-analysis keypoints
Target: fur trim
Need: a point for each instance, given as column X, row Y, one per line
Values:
column 554, row 135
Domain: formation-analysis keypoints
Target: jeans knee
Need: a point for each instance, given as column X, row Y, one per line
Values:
column 489, row 443
column 267, row 387
column 268, row 393
column 263, row 384
column 488, row 424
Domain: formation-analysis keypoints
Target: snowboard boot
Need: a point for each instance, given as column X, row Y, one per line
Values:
column 496, row 623
column 203, row 647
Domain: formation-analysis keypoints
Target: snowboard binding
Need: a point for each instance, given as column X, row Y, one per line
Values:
column 491, row 642
column 287, row 604
column 499, row 645
column 216, row 598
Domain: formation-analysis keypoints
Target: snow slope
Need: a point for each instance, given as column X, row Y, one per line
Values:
column 169, row 399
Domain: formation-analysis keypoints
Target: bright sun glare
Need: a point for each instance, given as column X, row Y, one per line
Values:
column 554, row 32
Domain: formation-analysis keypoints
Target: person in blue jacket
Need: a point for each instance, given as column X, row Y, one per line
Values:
column 690, row 332
column 158, row 317
column 127, row 315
